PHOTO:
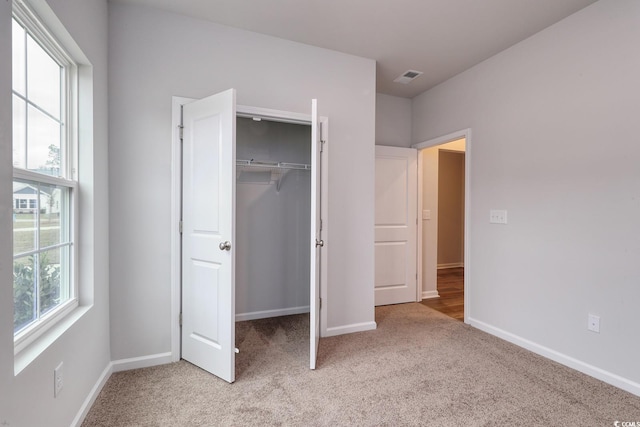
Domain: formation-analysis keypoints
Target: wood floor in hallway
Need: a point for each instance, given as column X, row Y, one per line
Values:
column 451, row 290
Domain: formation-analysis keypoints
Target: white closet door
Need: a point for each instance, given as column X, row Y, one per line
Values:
column 316, row 237
column 208, row 256
column 396, row 225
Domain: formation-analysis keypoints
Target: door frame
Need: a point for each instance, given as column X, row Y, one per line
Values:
column 466, row 134
column 176, row 206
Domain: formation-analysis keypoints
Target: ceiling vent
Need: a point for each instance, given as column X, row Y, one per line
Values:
column 408, row 76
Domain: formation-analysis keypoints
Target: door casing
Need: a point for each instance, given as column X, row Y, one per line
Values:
column 466, row 134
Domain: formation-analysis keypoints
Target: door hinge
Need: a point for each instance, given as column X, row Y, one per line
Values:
column 180, row 226
column 180, row 319
column 181, row 132
column 321, row 303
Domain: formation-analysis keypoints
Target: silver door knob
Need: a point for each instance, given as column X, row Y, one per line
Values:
column 319, row 243
column 225, row 246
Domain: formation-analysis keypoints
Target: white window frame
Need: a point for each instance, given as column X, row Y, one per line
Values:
column 68, row 168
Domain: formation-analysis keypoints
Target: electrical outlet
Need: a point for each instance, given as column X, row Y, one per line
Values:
column 497, row 216
column 594, row 323
column 58, row 380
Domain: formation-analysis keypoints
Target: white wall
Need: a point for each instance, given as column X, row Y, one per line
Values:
column 393, row 121
column 553, row 121
column 155, row 55
column 272, row 226
column 27, row 399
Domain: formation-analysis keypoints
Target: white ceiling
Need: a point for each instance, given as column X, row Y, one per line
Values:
column 439, row 37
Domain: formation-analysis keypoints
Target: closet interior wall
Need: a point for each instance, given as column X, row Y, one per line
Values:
column 272, row 220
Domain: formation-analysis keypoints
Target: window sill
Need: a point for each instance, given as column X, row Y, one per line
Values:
column 37, row 347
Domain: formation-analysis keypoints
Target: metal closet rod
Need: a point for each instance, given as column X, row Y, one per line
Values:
column 275, row 165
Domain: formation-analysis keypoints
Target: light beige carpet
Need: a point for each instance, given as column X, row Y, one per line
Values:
column 418, row 368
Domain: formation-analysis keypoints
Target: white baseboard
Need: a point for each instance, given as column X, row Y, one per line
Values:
column 608, row 377
column 93, row 395
column 347, row 329
column 271, row 313
column 117, row 366
column 430, row 294
column 141, row 362
column 450, row 265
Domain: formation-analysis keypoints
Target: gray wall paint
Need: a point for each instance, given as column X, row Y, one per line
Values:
column 393, row 121
column 552, row 122
column 155, row 55
column 27, row 399
column 272, row 227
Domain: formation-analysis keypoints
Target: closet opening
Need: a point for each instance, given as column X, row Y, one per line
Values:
column 273, row 219
column 249, row 240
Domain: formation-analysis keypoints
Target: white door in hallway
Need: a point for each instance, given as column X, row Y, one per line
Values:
column 396, row 225
column 208, row 191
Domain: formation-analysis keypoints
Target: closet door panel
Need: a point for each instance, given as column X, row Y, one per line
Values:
column 316, row 236
column 208, row 239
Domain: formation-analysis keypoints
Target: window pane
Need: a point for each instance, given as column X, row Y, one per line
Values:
column 54, row 214
column 19, row 132
column 18, row 58
column 43, row 143
column 24, row 218
column 51, row 292
column 43, row 79
column 24, row 293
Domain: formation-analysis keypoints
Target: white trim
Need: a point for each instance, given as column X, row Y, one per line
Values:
column 176, row 210
column 271, row 313
column 419, row 282
column 430, row 294
column 593, row 371
column 25, row 14
column 176, row 202
column 466, row 134
column 273, row 115
column 348, row 329
column 450, row 265
column 92, row 396
column 324, row 232
column 453, row 136
column 142, row 362
column 27, row 175
column 40, row 326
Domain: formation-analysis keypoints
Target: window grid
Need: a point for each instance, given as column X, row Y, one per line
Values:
column 61, row 250
column 29, row 102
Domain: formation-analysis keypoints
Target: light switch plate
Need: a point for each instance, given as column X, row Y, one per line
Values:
column 497, row 216
column 594, row 323
column 426, row 214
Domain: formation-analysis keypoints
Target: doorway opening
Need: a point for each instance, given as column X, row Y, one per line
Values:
column 273, row 211
column 443, row 206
